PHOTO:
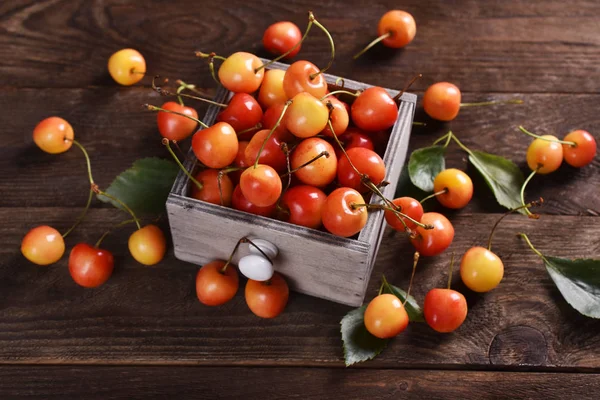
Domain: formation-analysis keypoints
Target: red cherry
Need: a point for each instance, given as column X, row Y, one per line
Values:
column 261, row 185
column 271, row 91
column 339, row 117
column 297, row 79
column 305, row 204
column 243, row 112
column 320, row 172
column 216, row 146
column 173, row 126
column 209, row 178
column 441, row 101
column 401, row 26
column 374, row 110
column 50, row 134
column 408, row 206
column 271, row 155
column 431, row 242
column 239, row 202
column 367, row 162
column 583, row 152
column 267, row 299
column 239, row 162
column 270, row 118
column 215, row 287
column 444, row 309
column 338, row 215
column 354, row 137
column 90, row 266
column 281, row 37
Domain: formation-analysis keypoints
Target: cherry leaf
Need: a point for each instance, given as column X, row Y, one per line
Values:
column 145, row 186
column 415, row 314
column 424, row 165
column 359, row 345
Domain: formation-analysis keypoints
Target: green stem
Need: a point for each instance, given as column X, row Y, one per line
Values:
column 155, row 108
column 355, row 94
column 312, row 160
column 81, row 216
column 105, row 234
column 165, row 142
column 189, row 96
column 418, row 123
column 525, row 131
column 491, row 103
column 533, row 203
column 523, row 191
column 125, row 206
column 412, row 275
column 338, row 80
column 373, row 43
column 264, row 143
column 434, row 195
column 536, row 251
column 255, row 127
column 446, row 137
column 209, row 55
column 459, row 143
column 323, row 70
column 87, row 159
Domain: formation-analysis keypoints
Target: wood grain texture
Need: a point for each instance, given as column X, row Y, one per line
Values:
column 550, row 46
column 291, row 383
column 151, row 314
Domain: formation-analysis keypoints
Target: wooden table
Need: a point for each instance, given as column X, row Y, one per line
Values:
column 145, row 334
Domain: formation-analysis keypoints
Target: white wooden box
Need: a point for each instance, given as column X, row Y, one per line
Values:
column 313, row 262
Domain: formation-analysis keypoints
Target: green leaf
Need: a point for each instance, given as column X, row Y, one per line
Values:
column 501, row 175
column 359, row 344
column 424, row 165
column 145, row 186
column 415, row 314
column 578, row 281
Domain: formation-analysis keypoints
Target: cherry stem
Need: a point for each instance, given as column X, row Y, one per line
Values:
column 532, row 204
column 211, row 63
column 209, row 55
column 165, row 142
column 237, row 245
column 383, row 284
column 373, row 43
column 536, row 251
column 447, row 137
column 355, row 94
column 264, row 143
column 354, row 206
column 176, row 144
column 412, row 275
column 523, row 193
column 220, row 176
column 192, row 88
column 418, row 123
column 81, row 216
column 150, row 107
column 105, row 234
column 251, row 243
column 451, row 269
column 525, row 131
column 444, row 191
column 323, row 70
column 286, row 151
column 87, row 159
column 491, row 103
column 312, row 160
column 413, row 80
column 252, row 128
column 459, row 143
column 121, row 203
column 338, row 80
column 337, row 140
column 189, row 96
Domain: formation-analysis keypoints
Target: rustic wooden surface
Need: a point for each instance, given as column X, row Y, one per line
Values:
column 143, row 332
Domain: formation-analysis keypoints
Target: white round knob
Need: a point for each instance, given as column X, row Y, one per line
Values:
column 256, row 267
column 267, row 247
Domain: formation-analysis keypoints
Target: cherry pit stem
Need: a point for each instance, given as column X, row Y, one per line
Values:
column 522, row 194
column 105, row 234
column 412, row 275
column 264, row 143
column 164, row 92
column 252, row 128
column 320, row 26
column 492, row 103
column 211, row 63
column 400, row 214
column 166, row 143
column 373, row 43
column 526, row 206
column 408, row 85
column 536, row 251
column 533, row 135
column 353, row 94
column 312, row 160
column 444, row 191
column 81, row 216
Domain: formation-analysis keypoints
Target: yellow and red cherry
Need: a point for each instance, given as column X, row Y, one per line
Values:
column 53, row 135
column 454, row 188
column 173, row 126
column 281, row 37
column 148, row 245
column 408, row 206
column 431, row 242
column 270, row 118
column 239, row 202
column 304, row 204
column 374, row 110
column 584, row 150
column 545, row 154
column 481, row 270
column 307, row 116
column 210, row 192
column 271, row 154
column 367, row 162
column 354, row 137
column 243, row 112
column 216, row 146
column 127, row 67
column 267, row 299
column 239, row 74
column 322, row 171
column 215, row 286
column 399, row 26
column 271, row 91
column 261, row 185
column 304, row 76
column 341, row 214
column 339, row 117
column 444, row 310
column 441, row 101
column 43, row 245
column 385, row 316
column 90, row 266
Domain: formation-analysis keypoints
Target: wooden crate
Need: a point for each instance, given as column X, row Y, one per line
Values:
column 313, row 262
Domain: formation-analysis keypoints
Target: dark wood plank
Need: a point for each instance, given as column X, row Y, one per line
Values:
column 306, row 383
column 117, row 131
column 480, row 45
column 151, row 314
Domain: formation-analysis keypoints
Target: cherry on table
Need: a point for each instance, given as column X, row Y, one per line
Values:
column 271, row 91
column 545, row 154
column 396, row 29
column 385, row 316
column 304, row 205
column 304, row 76
column 53, row 135
column 239, row 74
column 320, row 172
column 431, row 242
column 261, row 185
column 267, row 299
column 239, row 202
column 211, row 192
column 584, row 150
column 307, row 116
column 215, row 285
column 173, row 126
column 90, row 266
column 367, row 162
column 243, row 112
column 281, row 37
column 444, row 310
column 127, row 66
column 374, row 110
column 453, row 188
column 341, row 216
column 43, row 245
column 408, row 206
column 148, row 245
column 216, row 146
column 441, row 101
column 481, row 270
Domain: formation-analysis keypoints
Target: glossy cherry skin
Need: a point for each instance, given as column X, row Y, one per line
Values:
column 173, row 126
column 216, row 146
column 366, row 162
column 401, row 25
column 281, row 37
column 444, row 310
column 408, row 206
column 481, row 270
column 307, row 116
column 458, row 187
column 243, row 112
column 261, row 185
column 239, row 202
column 297, row 79
column 271, row 155
column 583, row 152
column 148, row 245
column 50, row 134
column 239, row 162
column 374, row 110
column 385, row 316
column 338, row 215
column 545, row 156
column 354, row 137
column 441, row 101
column 90, row 266
column 127, row 67
column 209, row 178
column 305, row 205
column 215, row 287
column 267, row 299
column 271, row 91
column 237, row 73
column 431, row 242
column 270, row 118
column 339, row 117
column 320, row 172
column 43, row 245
